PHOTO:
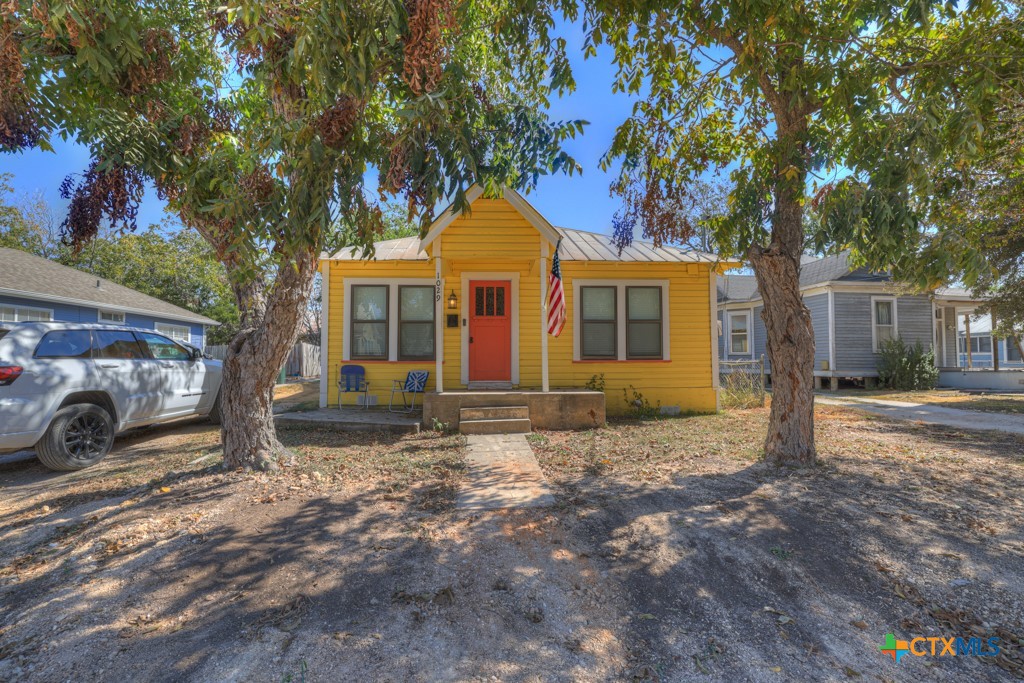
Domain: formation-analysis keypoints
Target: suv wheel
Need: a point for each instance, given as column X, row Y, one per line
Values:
column 79, row 436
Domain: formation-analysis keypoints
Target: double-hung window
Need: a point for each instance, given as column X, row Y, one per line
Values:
column 883, row 320
column 739, row 333
column 391, row 321
column 370, row 322
column 415, row 322
column 598, row 323
column 620, row 320
column 643, row 322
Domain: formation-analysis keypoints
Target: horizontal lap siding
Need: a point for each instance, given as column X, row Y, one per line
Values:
column 69, row 313
column 495, row 238
column 685, row 380
column 818, row 306
column 378, row 373
column 853, row 323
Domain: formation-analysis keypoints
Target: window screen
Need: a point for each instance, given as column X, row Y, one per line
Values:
column 643, row 322
column 598, row 322
column 370, row 321
column 415, row 323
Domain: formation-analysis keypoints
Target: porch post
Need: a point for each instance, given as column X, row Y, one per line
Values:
column 325, row 307
column 995, row 341
column 438, row 319
column 544, row 315
column 967, row 331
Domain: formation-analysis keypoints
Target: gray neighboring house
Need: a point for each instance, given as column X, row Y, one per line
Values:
column 34, row 289
column 853, row 310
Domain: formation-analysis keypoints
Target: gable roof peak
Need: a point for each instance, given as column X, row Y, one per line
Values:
column 518, row 202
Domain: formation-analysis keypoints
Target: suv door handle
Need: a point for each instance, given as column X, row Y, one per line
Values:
column 108, row 365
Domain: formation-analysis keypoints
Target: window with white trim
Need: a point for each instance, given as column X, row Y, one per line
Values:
column 416, row 322
column 598, row 324
column 182, row 333
column 369, row 322
column 390, row 319
column 883, row 321
column 620, row 320
column 643, row 322
column 24, row 314
column 112, row 317
column 739, row 333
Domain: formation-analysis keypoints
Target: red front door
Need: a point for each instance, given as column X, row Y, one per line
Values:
column 490, row 331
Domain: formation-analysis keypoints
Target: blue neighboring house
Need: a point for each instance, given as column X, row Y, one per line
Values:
column 33, row 289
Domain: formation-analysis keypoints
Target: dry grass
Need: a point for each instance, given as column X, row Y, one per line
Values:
column 659, row 449
column 1011, row 404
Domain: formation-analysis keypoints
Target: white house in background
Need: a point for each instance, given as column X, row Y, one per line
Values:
column 853, row 310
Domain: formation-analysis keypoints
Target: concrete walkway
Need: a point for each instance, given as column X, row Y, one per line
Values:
column 932, row 414
column 503, row 473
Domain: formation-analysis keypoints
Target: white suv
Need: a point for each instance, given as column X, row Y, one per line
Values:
column 67, row 389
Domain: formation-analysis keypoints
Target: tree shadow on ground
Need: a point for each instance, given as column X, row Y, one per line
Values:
column 660, row 581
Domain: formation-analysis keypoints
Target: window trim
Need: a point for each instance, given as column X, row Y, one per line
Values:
column 170, row 335
column 614, row 321
column 387, row 322
column 874, row 320
column 660, row 321
column 748, row 314
column 16, row 307
column 124, row 318
column 392, row 330
column 576, row 313
column 400, row 322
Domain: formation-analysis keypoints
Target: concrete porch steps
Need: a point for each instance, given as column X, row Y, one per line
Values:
column 495, row 413
column 495, row 420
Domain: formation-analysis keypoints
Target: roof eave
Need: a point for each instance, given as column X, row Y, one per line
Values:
column 23, row 294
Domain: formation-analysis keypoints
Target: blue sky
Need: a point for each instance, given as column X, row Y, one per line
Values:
column 581, row 201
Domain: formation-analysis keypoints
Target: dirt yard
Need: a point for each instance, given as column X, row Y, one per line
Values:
column 673, row 555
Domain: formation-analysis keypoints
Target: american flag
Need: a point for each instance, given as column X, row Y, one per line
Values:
column 556, row 296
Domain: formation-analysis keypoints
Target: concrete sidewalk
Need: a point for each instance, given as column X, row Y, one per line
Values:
column 932, row 414
column 503, row 473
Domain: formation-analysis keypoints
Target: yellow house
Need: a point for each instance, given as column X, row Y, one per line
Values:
column 467, row 304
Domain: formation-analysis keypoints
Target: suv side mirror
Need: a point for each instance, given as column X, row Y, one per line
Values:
column 197, row 354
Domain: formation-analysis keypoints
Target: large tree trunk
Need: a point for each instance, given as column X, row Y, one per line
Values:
column 790, row 439
column 271, row 319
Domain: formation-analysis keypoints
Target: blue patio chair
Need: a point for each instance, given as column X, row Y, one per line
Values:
column 415, row 383
column 352, row 379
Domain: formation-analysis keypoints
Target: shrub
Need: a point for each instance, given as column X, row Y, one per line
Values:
column 906, row 368
column 639, row 407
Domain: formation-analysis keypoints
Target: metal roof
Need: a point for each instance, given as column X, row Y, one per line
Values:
column 28, row 276
column 576, row 245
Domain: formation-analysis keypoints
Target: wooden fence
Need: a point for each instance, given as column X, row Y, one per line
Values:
column 303, row 360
